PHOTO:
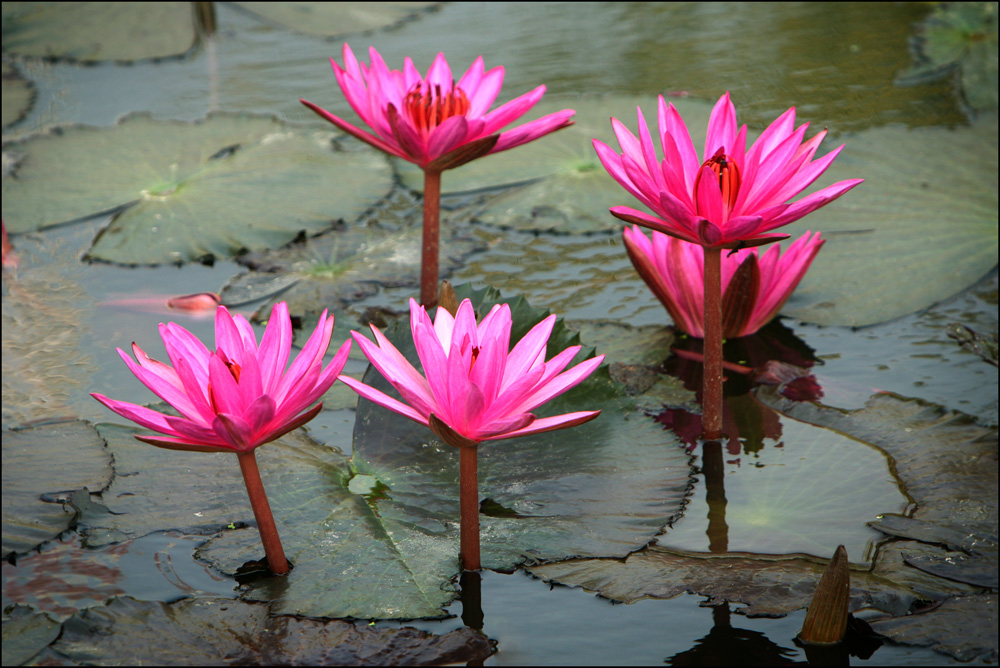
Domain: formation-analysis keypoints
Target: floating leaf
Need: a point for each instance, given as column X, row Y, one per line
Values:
column 25, row 634
column 41, row 467
column 766, row 585
column 18, row 95
column 928, row 208
column 234, row 633
column 90, row 31
column 195, row 189
column 960, row 35
column 964, row 627
column 333, row 20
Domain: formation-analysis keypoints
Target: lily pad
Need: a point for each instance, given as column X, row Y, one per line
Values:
column 766, row 585
column 26, row 633
column 928, row 208
column 333, row 20
column 90, row 31
column 18, row 95
column 41, row 467
column 964, row 627
column 196, row 189
column 798, row 496
column 960, row 36
column 236, row 633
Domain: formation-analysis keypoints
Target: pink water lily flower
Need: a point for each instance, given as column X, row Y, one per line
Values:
column 433, row 121
column 754, row 286
column 729, row 198
column 474, row 387
column 240, row 395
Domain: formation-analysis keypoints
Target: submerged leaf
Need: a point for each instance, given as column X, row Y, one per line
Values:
column 41, row 468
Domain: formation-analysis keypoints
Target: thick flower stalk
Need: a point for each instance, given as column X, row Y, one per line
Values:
column 754, row 285
column 235, row 398
column 435, row 123
column 732, row 197
column 474, row 388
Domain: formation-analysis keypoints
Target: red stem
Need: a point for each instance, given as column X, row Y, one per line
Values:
column 262, row 513
column 432, row 223
column 711, row 396
column 468, row 494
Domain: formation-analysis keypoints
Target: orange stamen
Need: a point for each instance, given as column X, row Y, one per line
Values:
column 429, row 108
column 727, row 172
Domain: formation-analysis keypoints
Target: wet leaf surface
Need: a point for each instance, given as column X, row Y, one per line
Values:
column 222, row 632
column 964, row 627
column 62, row 577
column 91, row 31
column 193, row 190
column 343, row 18
column 26, row 633
column 766, row 585
column 41, row 468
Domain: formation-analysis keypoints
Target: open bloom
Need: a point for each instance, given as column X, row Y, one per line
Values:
column 731, row 197
column 475, row 388
column 239, row 396
column 754, row 286
column 432, row 121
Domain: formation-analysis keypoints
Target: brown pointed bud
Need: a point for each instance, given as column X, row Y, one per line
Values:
column 447, row 299
column 826, row 619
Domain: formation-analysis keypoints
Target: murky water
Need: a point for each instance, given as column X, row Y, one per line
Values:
column 836, row 62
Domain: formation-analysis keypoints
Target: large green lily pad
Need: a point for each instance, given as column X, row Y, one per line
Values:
column 927, row 209
column 333, row 20
column 35, row 490
column 90, row 31
column 195, row 189
column 235, row 633
column 799, row 496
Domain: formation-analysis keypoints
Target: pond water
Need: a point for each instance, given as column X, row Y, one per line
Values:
column 796, row 479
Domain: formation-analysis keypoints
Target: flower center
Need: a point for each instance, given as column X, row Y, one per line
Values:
column 728, row 174
column 428, row 108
